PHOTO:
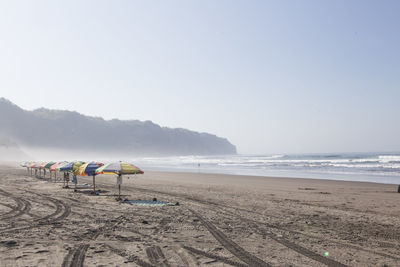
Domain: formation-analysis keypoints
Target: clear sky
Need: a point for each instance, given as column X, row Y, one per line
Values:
column 271, row 76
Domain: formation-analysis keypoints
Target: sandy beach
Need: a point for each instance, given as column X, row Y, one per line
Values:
column 221, row 220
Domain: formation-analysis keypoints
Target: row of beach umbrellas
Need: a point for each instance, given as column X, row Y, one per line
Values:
column 81, row 168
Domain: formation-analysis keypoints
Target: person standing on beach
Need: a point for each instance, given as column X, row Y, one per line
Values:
column 75, row 181
column 67, row 179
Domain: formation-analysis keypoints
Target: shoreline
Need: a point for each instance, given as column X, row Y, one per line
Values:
column 268, row 177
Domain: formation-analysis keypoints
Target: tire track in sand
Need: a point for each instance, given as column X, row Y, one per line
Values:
column 215, row 257
column 231, row 246
column 23, row 206
column 62, row 211
column 156, row 256
column 76, row 256
column 130, row 258
column 283, row 241
column 299, row 249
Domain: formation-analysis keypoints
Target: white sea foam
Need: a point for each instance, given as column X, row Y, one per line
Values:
column 389, row 158
column 362, row 166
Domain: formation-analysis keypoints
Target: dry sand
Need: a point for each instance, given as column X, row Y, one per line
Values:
column 222, row 220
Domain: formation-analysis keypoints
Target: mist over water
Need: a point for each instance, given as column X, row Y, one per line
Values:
column 369, row 167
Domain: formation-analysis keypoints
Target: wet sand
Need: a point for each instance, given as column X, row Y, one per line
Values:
column 221, row 220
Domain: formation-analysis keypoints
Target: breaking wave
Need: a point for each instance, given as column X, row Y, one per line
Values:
column 369, row 167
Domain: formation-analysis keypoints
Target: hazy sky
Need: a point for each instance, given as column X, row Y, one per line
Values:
column 271, row 76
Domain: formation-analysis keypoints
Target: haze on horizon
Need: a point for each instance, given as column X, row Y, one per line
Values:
column 270, row 76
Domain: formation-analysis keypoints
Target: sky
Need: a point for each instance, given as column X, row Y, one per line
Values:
column 270, row 76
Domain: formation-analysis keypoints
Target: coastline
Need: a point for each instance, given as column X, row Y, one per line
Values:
column 248, row 176
column 367, row 167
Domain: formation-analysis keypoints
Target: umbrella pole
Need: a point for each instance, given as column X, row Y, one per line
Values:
column 94, row 184
column 119, row 188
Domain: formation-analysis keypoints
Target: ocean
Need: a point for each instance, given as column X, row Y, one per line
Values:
column 368, row 167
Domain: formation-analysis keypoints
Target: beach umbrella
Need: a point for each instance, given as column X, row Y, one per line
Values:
column 36, row 166
column 56, row 168
column 23, row 164
column 119, row 168
column 49, row 164
column 90, row 170
column 26, row 164
column 32, row 165
column 42, row 167
column 70, row 167
column 52, row 168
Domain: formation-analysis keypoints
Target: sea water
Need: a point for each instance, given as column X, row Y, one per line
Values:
column 369, row 167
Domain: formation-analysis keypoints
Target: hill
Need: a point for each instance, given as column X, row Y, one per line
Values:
column 68, row 130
